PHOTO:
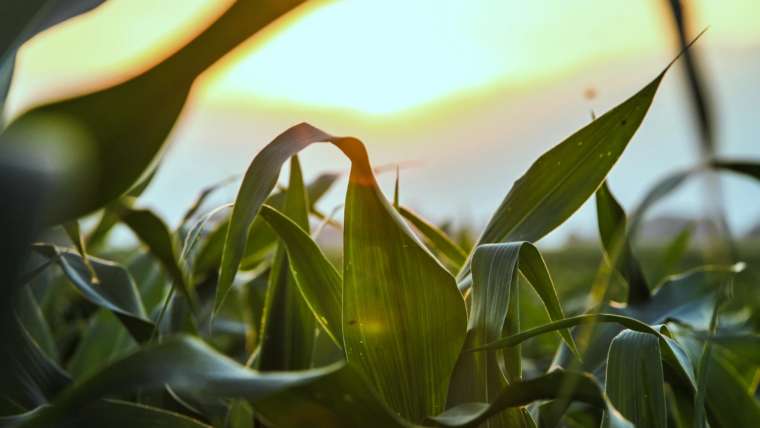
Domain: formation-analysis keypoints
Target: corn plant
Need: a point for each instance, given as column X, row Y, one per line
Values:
column 239, row 318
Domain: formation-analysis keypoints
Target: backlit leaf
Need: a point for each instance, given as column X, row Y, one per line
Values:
column 479, row 377
column 319, row 282
column 563, row 178
column 401, row 309
column 288, row 326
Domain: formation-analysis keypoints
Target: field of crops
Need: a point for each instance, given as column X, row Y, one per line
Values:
column 239, row 317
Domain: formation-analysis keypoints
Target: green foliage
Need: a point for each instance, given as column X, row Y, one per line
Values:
column 98, row 336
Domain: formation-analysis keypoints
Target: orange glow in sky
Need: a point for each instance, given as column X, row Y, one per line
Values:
column 371, row 57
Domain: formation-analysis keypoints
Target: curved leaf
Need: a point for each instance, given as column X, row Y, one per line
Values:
column 478, row 377
column 688, row 298
column 114, row 290
column 549, row 386
column 114, row 414
column 288, row 327
column 154, row 233
column 340, row 399
column 319, row 282
column 128, row 123
column 24, row 20
column 187, row 365
column 28, row 378
column 401, row 308
column 728, row 401
column 634, row 381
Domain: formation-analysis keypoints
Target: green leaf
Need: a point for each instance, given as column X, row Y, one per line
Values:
column 439, row 242
column 75, row 235
column 187, row 365
column 154, row 233
column 28, row 378
column 688, row 298
column 563, row 178
column 111, row 413
column 103, row 341
column 613, row 231
column 258, row 183
column 339, row 399
column 549, row 386
column 403, row 317
column 728, row 401
column 672, row 353
column 129, row 122
column 288, row 326
column 115, row 290
column 123, row 414
column 634, row 380
column 401, row 308
column 261, row 239
column 479, row 377
column 34, row 322
column 320, row 283
column 518, row 338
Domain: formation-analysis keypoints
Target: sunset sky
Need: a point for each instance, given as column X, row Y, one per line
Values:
column 475, row 90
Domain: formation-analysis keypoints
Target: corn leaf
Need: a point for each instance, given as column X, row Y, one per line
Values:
column 613, row 231
column 634, row 380
column 319, row 282
column 25, row 19
column 28, row 377
column 728, row 401
column 403, row 317
column 114, row 290
column 128, row 123
column 688, row 298
column 339, row 399
column 154, row 233
column 439, row 242
column 103, row 341
column 288, row 329
column 479, row 377
column 184, row 363
column 522, row 393
column 400, row 312
column 31, row 316
column 123, row 414
column 563, row 178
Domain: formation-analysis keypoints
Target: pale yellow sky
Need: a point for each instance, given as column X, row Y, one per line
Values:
column 476, row 89
column 375, row 58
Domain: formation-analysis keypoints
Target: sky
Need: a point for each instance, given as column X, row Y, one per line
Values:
column 466, row 93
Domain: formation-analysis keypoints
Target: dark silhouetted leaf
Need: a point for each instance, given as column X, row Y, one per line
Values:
column 128, row 123
column 613, row 231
